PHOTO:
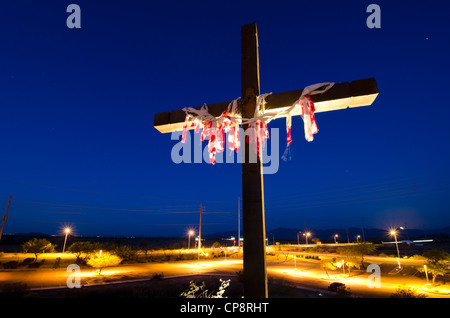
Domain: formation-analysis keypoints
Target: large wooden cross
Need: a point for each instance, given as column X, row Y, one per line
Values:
column 340, row 96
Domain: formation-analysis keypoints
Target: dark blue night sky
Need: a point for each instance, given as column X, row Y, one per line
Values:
column 77, row 107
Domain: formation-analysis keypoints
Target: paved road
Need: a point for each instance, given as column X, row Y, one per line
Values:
column 304, row 274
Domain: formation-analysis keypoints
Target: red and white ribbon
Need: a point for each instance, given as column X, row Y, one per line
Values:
column 307, row 110
column 257, row 133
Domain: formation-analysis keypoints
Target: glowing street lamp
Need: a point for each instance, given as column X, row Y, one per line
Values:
column 189, row 242
column 357, row 238
column 394, row 234
column 335, row 236
column 306, row 236
column 67, row 230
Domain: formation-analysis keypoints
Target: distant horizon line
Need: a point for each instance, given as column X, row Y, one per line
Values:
column 429, row 231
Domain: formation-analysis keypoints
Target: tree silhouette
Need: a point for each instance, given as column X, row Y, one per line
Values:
column 101, row 260
column 37, row 246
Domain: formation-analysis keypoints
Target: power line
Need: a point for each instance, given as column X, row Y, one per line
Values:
column 87, row 213
column 77, row 206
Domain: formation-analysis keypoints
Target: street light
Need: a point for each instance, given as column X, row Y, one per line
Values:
column 357, row 238
column 335, row 236
column 394, row 233
column 306, row 236
column 189, row 242
column 67, row 230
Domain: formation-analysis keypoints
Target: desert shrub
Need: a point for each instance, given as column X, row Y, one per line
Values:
column 418, row 257
column 36, row 264
column 215, row 245
column 11, row 265
column 343, row 292
column 57, row 263
column 27, row 261
column 102, row 260
column 125, row 252
column 37, row 246
column 403, row 292
column 195, row 291
column 157, row 276
column 81, row 248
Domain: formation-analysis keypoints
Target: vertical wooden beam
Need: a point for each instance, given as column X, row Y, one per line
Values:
column 239, row 224
column 255, row 274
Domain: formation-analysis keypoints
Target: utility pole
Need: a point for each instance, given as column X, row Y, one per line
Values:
column 200, row 234
column 200, row 230
column 362, row 228
column 5, row 217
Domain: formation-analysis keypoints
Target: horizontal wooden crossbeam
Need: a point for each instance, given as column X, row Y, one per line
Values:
column 342, row 95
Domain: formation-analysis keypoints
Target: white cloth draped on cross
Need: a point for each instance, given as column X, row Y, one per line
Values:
column 257, row 132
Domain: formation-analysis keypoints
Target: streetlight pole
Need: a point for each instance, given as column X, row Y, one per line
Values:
column 189, row 242
column 306, row 236
column 67, row 230
column 394, row 233
column 335, row 236
column 200, row 235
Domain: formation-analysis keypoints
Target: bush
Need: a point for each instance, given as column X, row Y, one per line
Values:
column 37, row 246
column 418, row 257
column 80, row 248
column 11, row 265
column 27, row 261
column 343, row 292
column 157, row 276
column 215, row 245
column 36, row 264
column 195, row 291
column 125, row 252
column 102, row 260
column 407, row 293
column 57, row 262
